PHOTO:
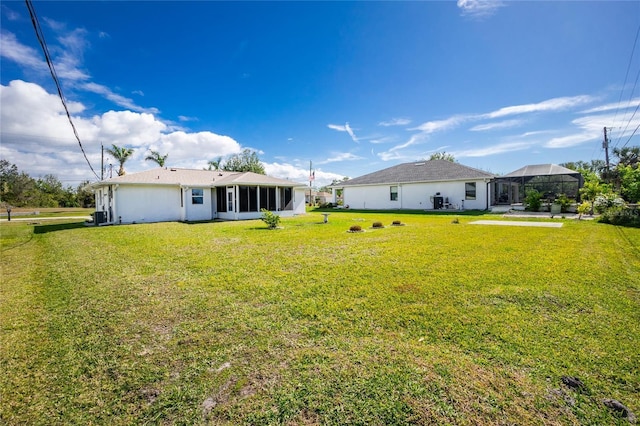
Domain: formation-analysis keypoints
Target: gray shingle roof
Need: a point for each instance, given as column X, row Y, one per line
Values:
column 194, row 177
column 541, row 170
column 419, row 171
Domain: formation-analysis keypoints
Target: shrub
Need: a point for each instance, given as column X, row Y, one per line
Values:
column 564, row 201
column 603, row 202
column 456, row 220
column 621, row 216
column 533, row 200
column 355, row 228
column 584, row 208
column 271, row 219
column 377, row 225
column 396, row 222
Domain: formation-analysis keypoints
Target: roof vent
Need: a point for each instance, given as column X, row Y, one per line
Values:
column 219, row 174
column 173, row 170
column 419, row 164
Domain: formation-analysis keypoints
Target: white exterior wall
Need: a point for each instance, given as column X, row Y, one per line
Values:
column 298, row 201
column 134, row 203
column 197, row 211
column 414, row 196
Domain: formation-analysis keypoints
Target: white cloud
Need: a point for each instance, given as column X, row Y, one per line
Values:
column 633, row 103
column 479, row 8
column 440, row 125
column 115, row 98
column 25, row 56
column 67, row 58
column 300, row 174
column 496, row 126
column 343, row 156
column 571, row 140
column 345, row 128
column 11, row 15
column 382, row 139
column 37, row 137
column 555, row 104
column 492, row 150
column 395, row 122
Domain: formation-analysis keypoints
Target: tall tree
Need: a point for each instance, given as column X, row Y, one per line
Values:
column 442, row 156
column 628, row 156
column 157, row 158
column 247, row 161
column 121, row 155
column 215, row 164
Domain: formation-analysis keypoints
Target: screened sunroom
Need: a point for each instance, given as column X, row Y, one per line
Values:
column 550, row 180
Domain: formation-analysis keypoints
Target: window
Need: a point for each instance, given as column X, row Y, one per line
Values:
column 394, row 193
column 470, row 191
column 197, row 196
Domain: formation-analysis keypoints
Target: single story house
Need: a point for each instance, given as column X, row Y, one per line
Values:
column 421, row 185
column 318, row 197
column 172, row 194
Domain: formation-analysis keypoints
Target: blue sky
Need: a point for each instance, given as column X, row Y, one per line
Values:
column 352, row 86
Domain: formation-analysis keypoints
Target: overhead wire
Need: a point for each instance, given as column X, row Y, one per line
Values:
column 43, row 44
column 626, row 126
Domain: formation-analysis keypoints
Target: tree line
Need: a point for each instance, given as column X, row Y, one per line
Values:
column 18, row 189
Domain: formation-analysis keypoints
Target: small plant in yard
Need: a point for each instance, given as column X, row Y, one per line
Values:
column 397, row 223
column 584, row 208
column 564, row 201
column 533, row 200
column 377, row 225
column 355, row 228
column 456, row 220
column 271, row 219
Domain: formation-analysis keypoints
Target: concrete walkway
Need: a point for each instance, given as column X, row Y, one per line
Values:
column 517, row 223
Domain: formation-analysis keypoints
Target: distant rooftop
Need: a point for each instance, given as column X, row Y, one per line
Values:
column 541, row 170
column 419, row 171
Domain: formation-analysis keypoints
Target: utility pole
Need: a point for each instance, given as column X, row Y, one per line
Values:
column 102, row 163
column 310, row 181
column 605, row 146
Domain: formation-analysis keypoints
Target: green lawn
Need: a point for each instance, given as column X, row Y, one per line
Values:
column 230, row 323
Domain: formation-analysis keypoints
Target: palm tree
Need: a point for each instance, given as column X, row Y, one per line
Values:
column 628, row 156
column 215, row 164
column 157, row 158
column 121, row 155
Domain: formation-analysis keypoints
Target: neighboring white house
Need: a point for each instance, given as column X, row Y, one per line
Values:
column 172, row 194
column 423, row 185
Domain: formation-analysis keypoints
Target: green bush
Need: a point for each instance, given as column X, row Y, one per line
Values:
column 621, row 216
column 271, row 219
column 564, row 201
column 584, row 208
column 604, row 202
column 377, row 225
column 533, row 200
column 355, row 228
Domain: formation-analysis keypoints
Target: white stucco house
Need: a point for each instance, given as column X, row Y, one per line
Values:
column 421, row 185
column 174, row 194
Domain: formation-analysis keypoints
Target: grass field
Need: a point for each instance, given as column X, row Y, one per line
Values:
column 230, row 323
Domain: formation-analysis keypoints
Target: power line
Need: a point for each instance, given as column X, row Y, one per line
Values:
column 623, row 86
column 45, row 50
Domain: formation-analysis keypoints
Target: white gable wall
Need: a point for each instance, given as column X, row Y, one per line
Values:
column 416, row 196
column 138, row 203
